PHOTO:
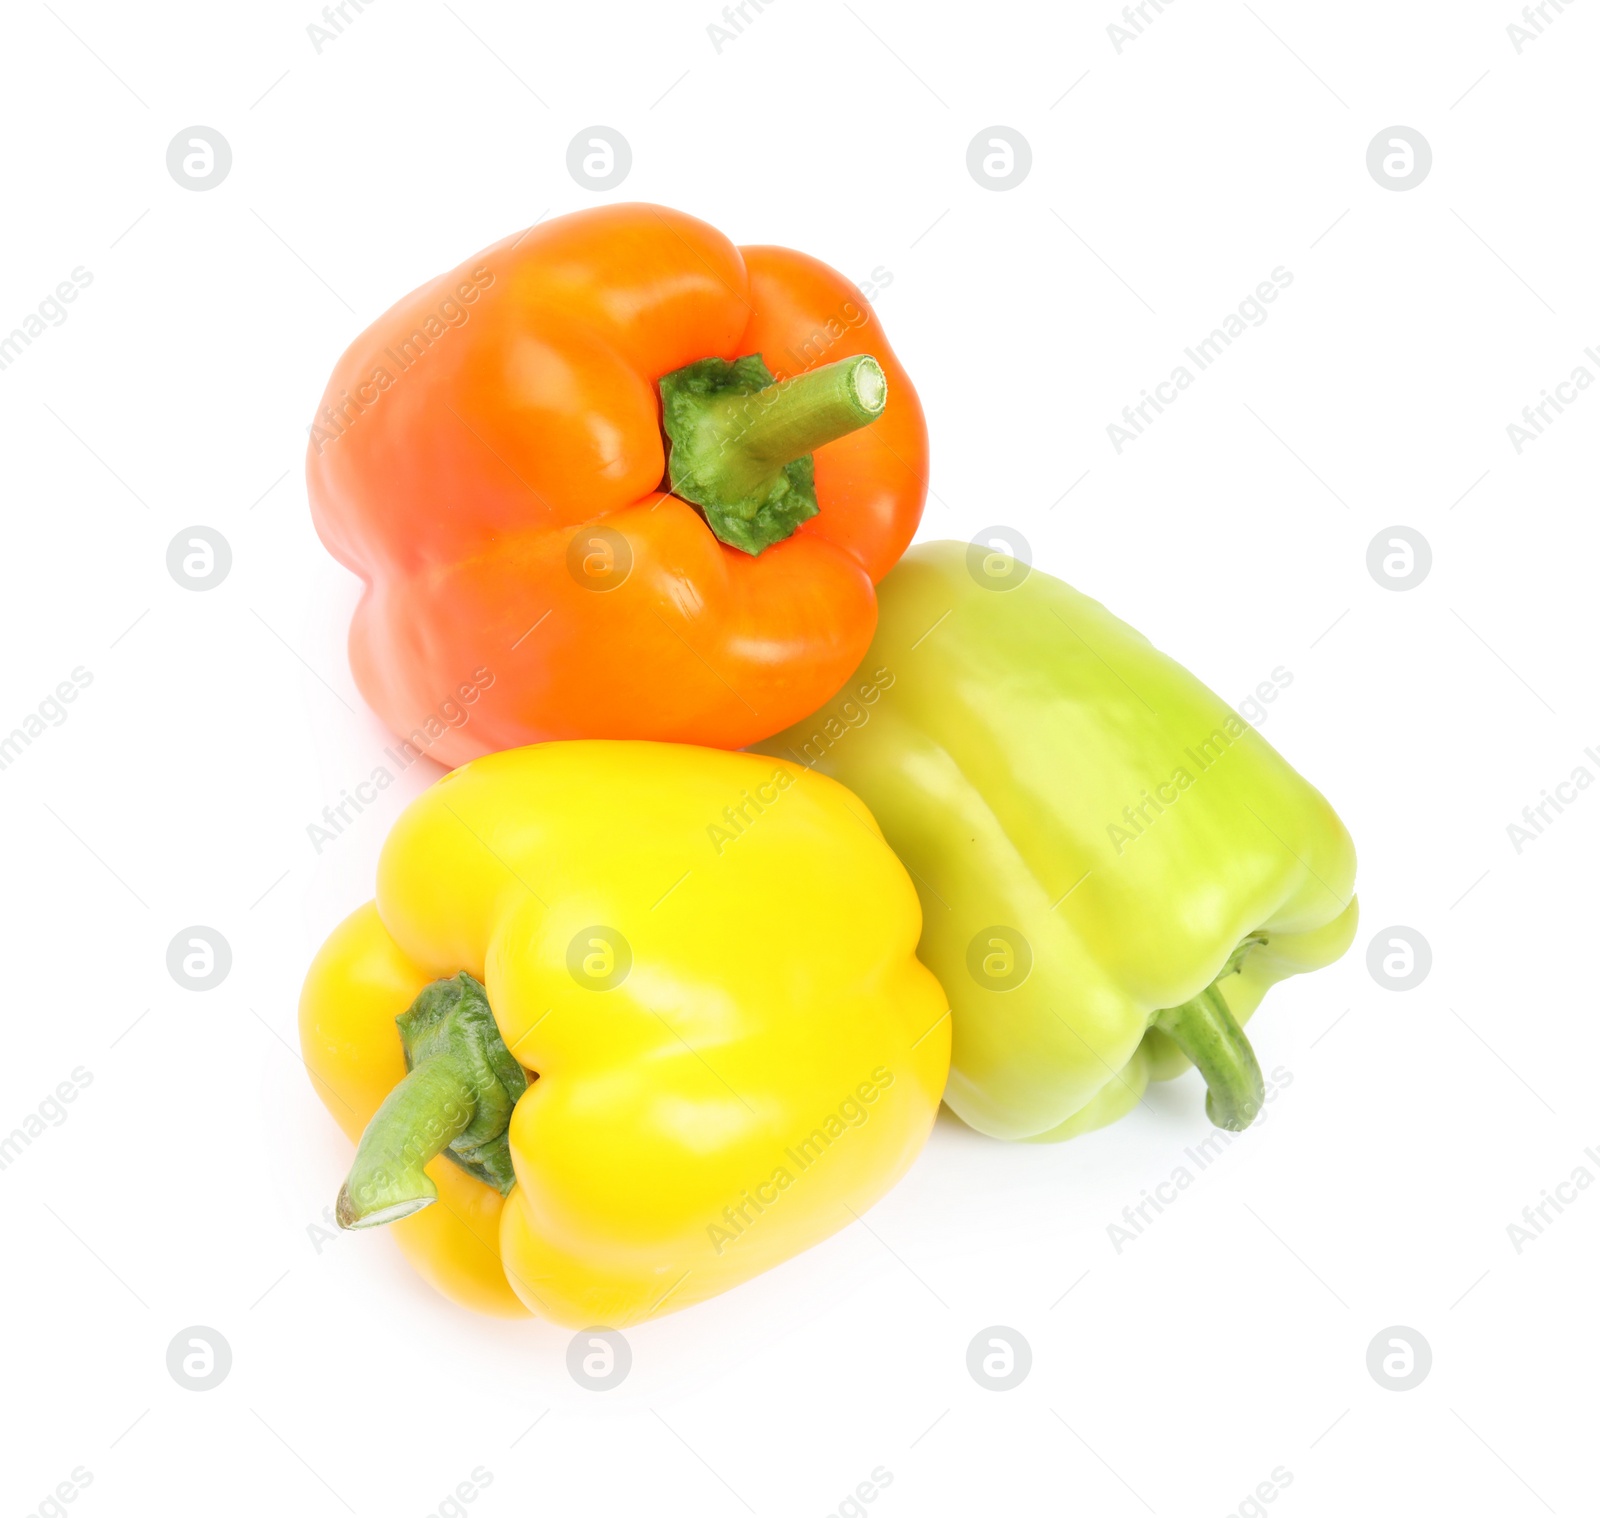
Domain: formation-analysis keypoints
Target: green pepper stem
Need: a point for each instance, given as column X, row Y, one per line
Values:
column 456, row 1100
column 1210, row 1035
column 423, row 1115
column 761, row 433
column 741, row 442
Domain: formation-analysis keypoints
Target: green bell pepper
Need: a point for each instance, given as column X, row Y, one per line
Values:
column 1114, row 866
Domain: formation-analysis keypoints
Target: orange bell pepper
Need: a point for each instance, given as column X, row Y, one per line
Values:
column 542, row 561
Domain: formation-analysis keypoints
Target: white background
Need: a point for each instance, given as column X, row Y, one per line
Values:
column 1228, row 1340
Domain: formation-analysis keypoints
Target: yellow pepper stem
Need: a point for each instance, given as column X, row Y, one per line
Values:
column 456, row 1100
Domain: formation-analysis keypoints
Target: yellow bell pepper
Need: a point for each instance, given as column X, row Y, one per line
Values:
column 711, row 1044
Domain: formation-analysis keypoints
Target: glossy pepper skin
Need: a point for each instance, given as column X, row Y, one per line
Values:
column 1114, row 867
column 705, row 963
column 489, row 458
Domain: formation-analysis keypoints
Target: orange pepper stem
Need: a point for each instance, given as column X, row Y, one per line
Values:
column 740, row 442
column 457, row 1098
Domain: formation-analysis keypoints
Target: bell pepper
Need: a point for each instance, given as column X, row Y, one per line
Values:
column 1114, row 866
column 620, row 479
column 646, row 1020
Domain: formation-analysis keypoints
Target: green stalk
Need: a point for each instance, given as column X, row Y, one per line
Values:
column 1210, row 1035
column 740, row 442
column 456, row 1099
